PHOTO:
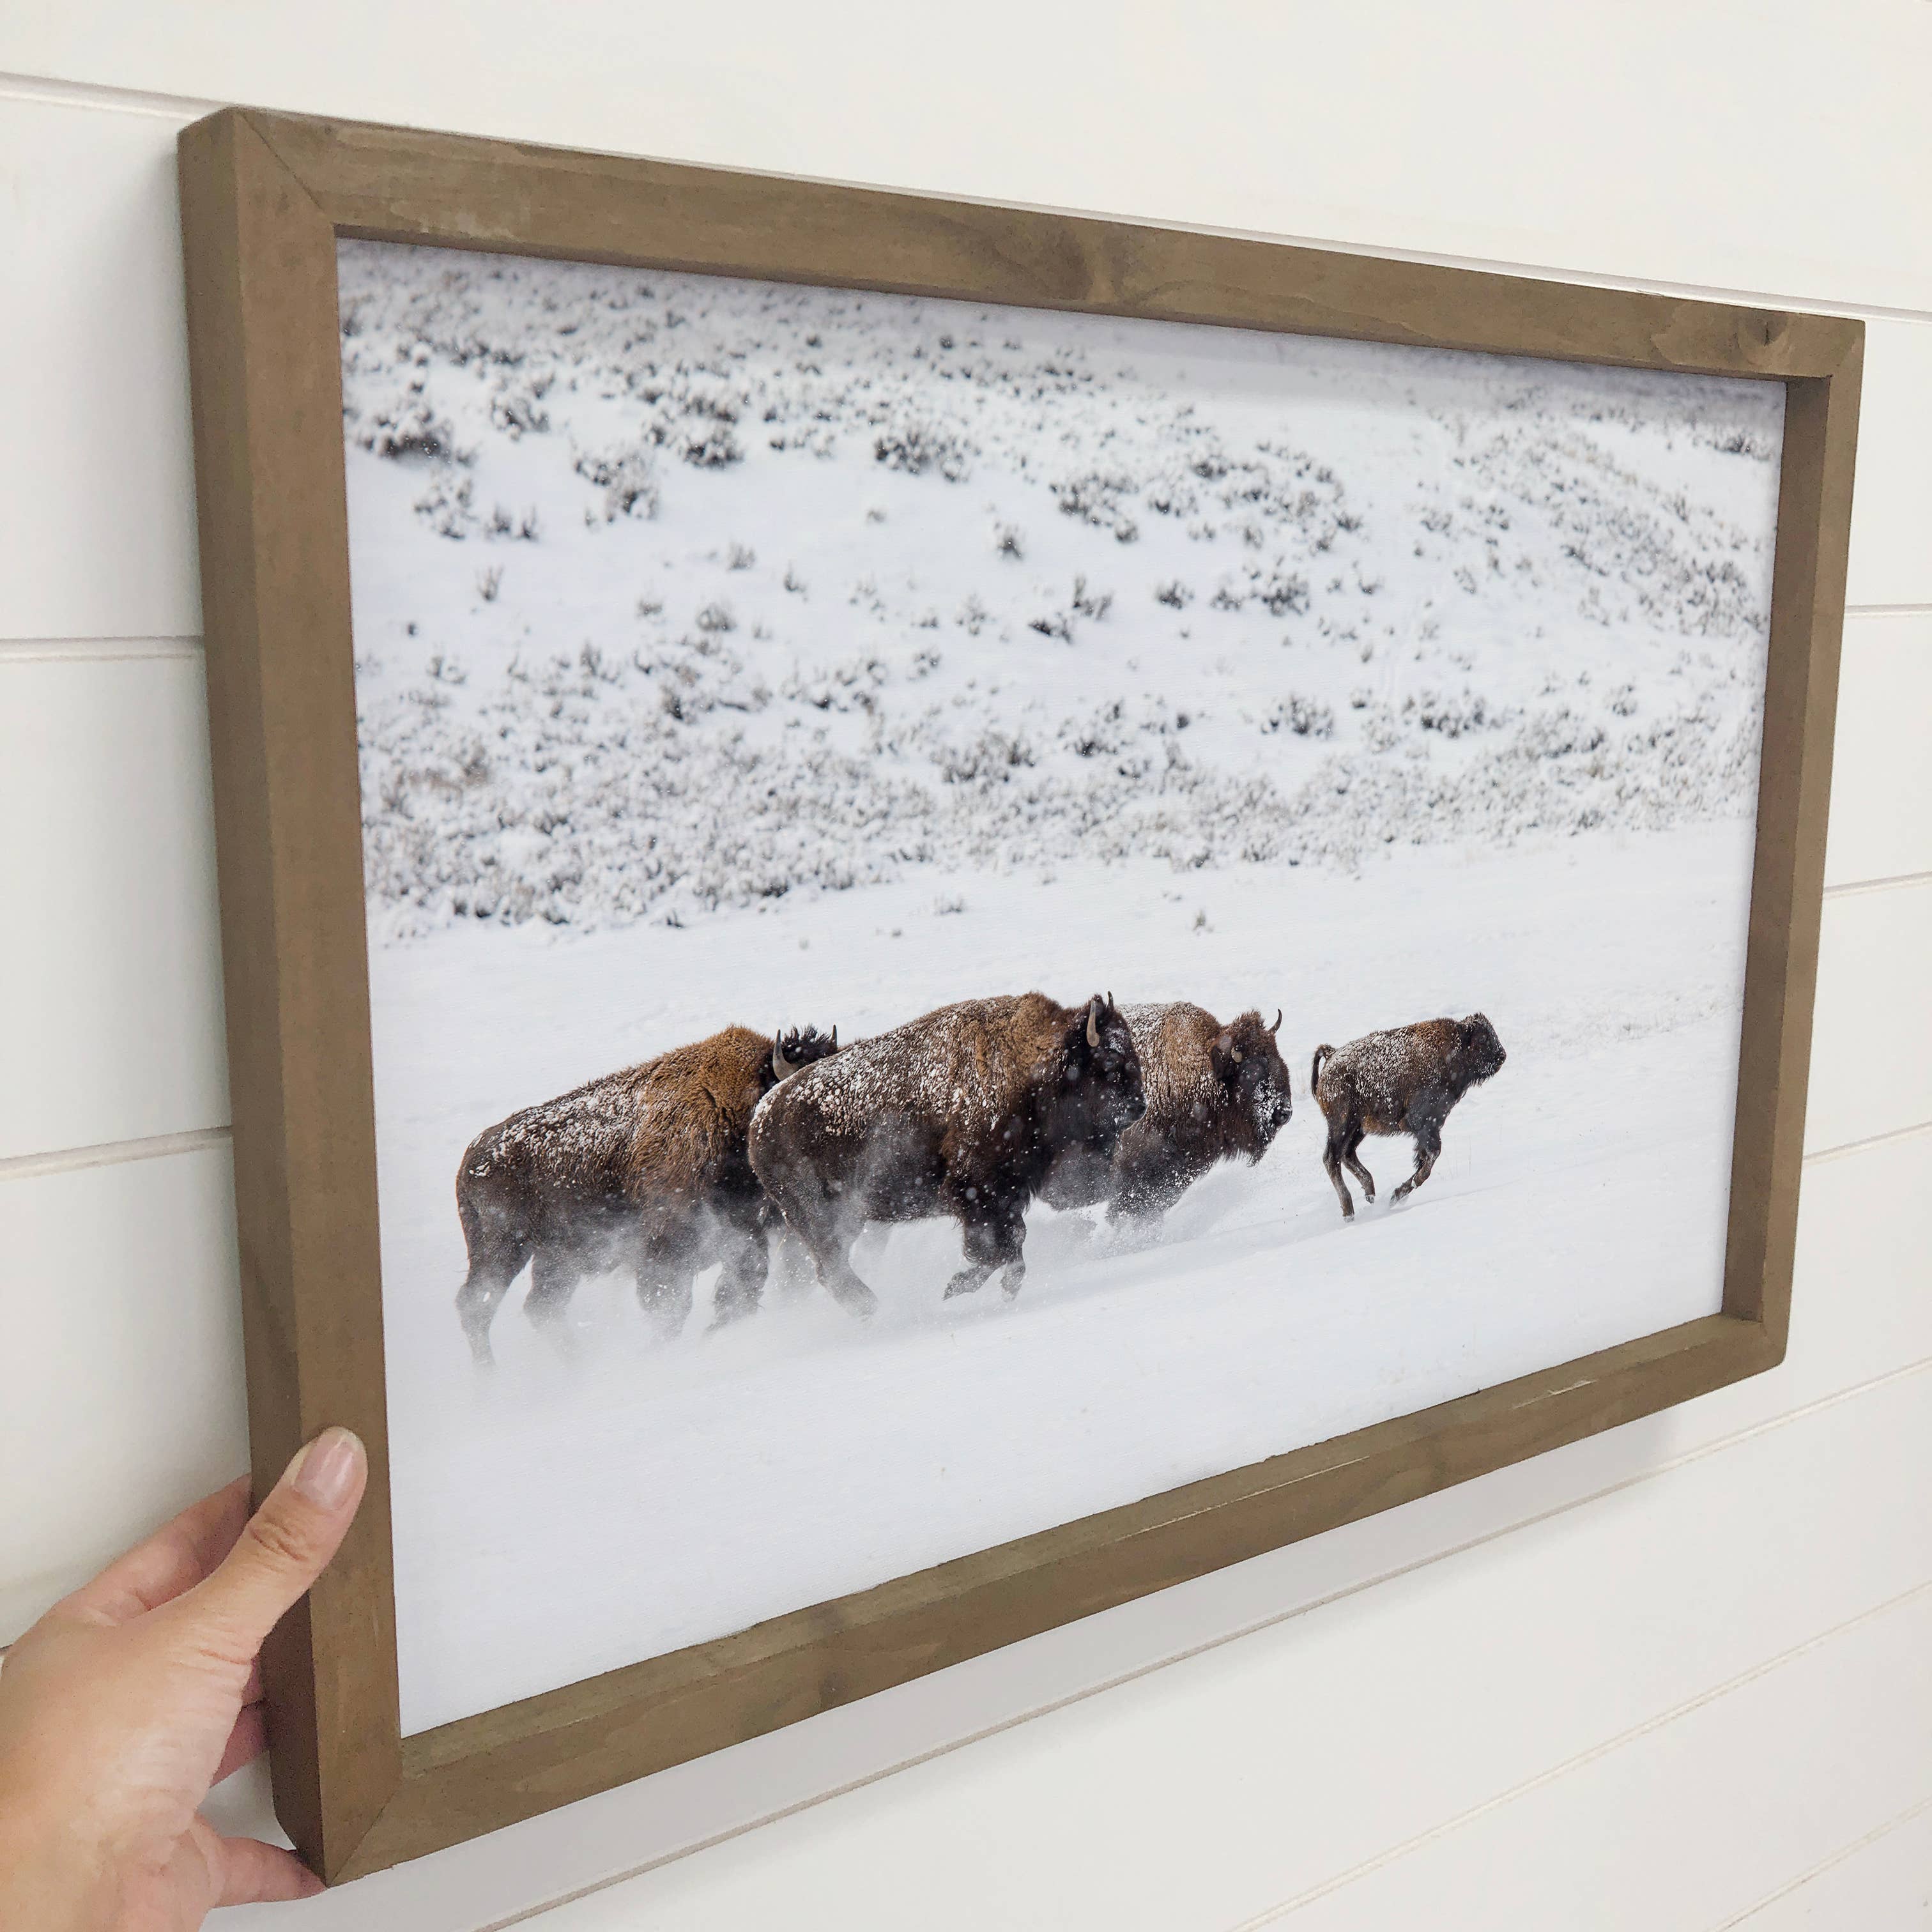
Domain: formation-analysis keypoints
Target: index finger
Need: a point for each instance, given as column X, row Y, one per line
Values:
column 175, row 1558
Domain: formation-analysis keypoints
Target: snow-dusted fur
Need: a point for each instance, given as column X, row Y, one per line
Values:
column 1404, row 1080
column 1214, row 1094
column 960, row 1113
column 644, row 1168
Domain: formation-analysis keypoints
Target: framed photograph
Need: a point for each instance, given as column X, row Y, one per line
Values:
column 934, row 914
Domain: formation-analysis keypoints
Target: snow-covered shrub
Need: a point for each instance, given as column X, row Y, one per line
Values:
column 1451, row 715
column 916, row 445
column 1095, row 498
column 1306, row 717
column 444, row 505
column 1174, row 594
column 627, row 477
column 1094, row 604
column 404, row 425
column 516, row 404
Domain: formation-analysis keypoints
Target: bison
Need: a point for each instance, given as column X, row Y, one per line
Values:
column 1402, row 1081
column 961, row 1112
column 1213, row 1093
column 646, row 1166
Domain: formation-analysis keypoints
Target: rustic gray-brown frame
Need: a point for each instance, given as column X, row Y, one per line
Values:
column 265, row 199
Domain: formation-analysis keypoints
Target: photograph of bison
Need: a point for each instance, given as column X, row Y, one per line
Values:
column 1401, row 1081
column 961, row 1113
column 1095, row 728
column 1213, row 1093
column 645, row 1169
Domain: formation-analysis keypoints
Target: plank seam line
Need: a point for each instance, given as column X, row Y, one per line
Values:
column 1887, row 610
column 100, row 98
column 1844, row 1147
column 1852, row 888
column 183, row 108
column 1764, row 1668
column 1825, row 1864
column 1120, row 1679
column 70, row 650
column 110, row 1153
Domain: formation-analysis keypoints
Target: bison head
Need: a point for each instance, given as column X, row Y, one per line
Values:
column 791, row 1051
column 1249, row 1068
column 1477, row 1055
column 1100, row 1096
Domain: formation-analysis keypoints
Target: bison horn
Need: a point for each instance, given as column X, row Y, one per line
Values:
column 835, row 1039
column 779, row 1063
column 1276, row 1027
column 1093, row 1020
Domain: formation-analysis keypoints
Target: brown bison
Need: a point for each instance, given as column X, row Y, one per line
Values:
column 1402, row 1081
column 960, row 1113
column 645, row 1167
column 1213, row 1093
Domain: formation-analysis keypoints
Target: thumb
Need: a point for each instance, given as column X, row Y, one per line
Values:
column 288, row 1542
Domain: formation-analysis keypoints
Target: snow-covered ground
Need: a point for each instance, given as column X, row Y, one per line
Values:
column 833, row 656
column 558, row 1517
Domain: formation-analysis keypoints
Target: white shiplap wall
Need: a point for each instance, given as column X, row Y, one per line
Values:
column 1678, row 1676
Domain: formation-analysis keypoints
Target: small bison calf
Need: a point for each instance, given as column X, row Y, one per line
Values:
column 646, row 1167
column 1402, row 1081
column 1214, row 1094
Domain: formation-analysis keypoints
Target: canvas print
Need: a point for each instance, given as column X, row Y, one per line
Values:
column 975, row 914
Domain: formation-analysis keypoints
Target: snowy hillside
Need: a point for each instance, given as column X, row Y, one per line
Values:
column 673, row 592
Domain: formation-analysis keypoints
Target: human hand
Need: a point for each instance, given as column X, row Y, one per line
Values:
column 129, row 1698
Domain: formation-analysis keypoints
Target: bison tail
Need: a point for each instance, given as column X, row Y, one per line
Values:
column 1315, row 1069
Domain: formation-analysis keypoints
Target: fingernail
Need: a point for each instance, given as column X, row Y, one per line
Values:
column 328, row 1472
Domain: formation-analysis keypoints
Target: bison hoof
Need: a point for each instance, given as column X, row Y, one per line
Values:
column 1014, row 1278
column 965, row 1283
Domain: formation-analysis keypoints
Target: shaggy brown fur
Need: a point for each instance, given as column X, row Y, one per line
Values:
column 1403, row 1082
column 646, row 1166
column 959, row 1113
column 1214, row 1094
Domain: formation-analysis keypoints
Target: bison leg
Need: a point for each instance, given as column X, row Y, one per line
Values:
column 813, row 1215
column 828, row 1243
column 1331, row 1159
column 666, row 1262
column 553, row 1278
column 1428, row 1145
column 741, row 1284
column 1354, row 1165
column 994, row 1238
column 490, row 1274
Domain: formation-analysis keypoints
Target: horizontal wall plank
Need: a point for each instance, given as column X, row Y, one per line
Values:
column 1859, row 1310
column 1871, row 1040
column 121, row 1379
column 1590, row 153
column 1891, row 561
column 1751, row 1788
column 1882, row 1884
column 97, row 499
column 1210, row 1793
column 1881, row 824
column 111, row 970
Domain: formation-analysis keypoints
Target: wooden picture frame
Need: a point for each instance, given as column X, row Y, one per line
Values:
column 265, row 198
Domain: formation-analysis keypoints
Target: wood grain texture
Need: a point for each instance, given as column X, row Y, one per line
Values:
column 265, row 370
column 1800, row 709
column 389, row 184
column 265, row 198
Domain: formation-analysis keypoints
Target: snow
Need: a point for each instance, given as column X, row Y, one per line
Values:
column 562, row 1516
column 728, row 652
